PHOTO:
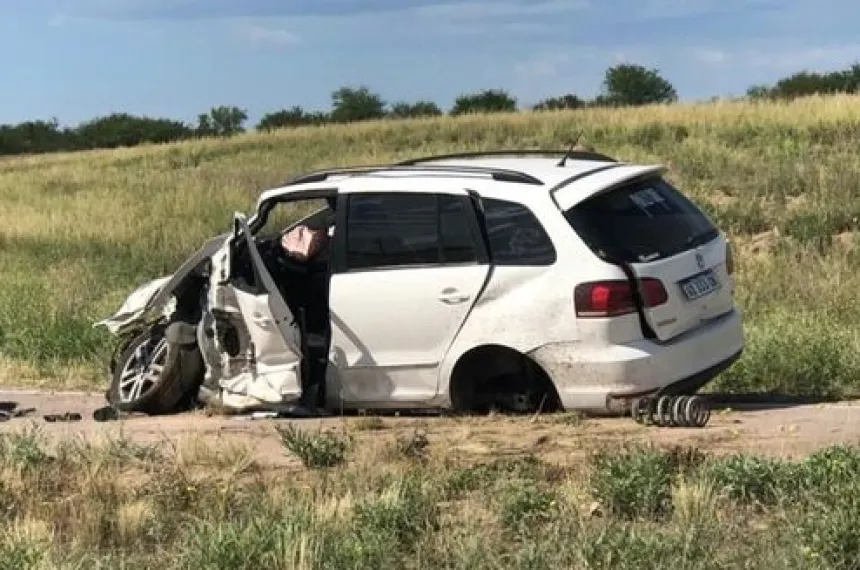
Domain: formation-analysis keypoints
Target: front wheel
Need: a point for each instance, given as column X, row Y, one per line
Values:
column 154, row 375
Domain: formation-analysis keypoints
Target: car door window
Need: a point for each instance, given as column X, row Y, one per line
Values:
column 404, row 229
column 516, row 236
column 456, row 235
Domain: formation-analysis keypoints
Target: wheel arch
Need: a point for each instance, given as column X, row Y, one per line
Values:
column 492, row 360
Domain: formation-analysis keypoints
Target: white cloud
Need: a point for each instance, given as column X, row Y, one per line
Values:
column 664, row 9
column 503, row 9
column 260, row 36
column 57, row 20
column 797, row 59
column 542, row 66
column 474, row 28
column 709, row 56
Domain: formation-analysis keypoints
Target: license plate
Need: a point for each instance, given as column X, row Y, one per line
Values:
column 700, row 285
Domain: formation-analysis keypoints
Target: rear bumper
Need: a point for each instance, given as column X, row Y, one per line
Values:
column 606, row 378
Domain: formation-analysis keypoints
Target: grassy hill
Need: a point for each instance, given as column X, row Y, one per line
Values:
column 79, row 231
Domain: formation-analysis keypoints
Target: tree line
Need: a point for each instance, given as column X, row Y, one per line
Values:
column 623, row 85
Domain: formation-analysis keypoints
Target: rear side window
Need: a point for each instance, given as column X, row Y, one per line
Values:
column 516, row 235
column 395, row 230
column 640, row 222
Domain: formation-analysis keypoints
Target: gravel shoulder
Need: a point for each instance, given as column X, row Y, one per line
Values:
column 783, row 431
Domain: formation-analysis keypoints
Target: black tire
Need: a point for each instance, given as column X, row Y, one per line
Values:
column 173, row 389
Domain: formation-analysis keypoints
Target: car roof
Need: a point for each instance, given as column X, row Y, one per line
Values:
column 546, row 170
column 534, row 171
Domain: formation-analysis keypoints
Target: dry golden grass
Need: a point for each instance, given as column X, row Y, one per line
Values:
column 116, row 504
column 79, row 231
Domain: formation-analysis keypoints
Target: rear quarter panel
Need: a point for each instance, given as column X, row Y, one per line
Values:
column 525, row 307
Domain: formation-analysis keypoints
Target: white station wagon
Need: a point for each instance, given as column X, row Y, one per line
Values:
column 514, row 280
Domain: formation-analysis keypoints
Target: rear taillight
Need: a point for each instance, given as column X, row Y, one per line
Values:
column 615, row 298
column 730, row 259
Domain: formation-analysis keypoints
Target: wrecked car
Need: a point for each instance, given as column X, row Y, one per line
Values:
column 514, row 280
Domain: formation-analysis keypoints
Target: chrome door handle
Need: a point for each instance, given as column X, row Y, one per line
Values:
column 451, row 296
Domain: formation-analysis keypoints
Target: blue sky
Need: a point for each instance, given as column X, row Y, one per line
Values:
column 77, row 59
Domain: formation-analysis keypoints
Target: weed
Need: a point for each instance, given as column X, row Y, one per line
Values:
column 316, row 451
column 369, row 423
column 750, row 479
column 23, row 449
column 485, row 475
column 413, row 446
column 523, row 504
column 635, row 482
column 572, row 419
column 827, row 531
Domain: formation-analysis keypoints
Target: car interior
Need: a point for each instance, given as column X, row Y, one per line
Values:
column 304, row 285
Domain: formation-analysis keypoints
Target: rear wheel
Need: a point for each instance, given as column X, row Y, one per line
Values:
column 498, row 378
column 154, row 375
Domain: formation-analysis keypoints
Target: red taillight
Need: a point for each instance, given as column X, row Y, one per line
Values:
column 653, row 292
column 615, row 298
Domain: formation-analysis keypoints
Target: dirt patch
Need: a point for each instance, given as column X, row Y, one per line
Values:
column 784, row 432
column 847, row 240
column 759, row 244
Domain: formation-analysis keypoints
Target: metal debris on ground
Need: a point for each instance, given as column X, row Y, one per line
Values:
column 671, row 411
column 9, row 410
column 106, row 414
column 64, row 417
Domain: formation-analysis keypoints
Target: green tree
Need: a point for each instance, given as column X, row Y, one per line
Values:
column 222, row 121
column 631, row 84
column 759, row 92
column 569, row 101
column 34, row 137
column 293, row 117
column 123, row 129
column 351, row 104
column 806, row 83
column 486, row 101
column 412, row 110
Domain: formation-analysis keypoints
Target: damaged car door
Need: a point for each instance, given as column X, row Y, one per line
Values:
column 270, row 368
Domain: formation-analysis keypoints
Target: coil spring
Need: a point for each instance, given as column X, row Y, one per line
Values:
column 671, row 411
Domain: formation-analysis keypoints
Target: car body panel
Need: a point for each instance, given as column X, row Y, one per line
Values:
column 381, row 354
column 275, row 340
column 134, row 306
column 385, row 361
column 600, row 180
column 201, row 256
column 592, row 377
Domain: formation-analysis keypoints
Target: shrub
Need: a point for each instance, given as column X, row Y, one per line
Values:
column 485, row 475
column 750, row 479
column 794, row 354
column 318, row 451
column 523, row 504
column 828, row 531
column 634, row 482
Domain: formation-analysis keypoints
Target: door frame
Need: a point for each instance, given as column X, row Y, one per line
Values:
column 477, row 230
column 262, row 277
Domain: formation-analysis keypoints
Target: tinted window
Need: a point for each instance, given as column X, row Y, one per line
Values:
column 386, row 230
column 643, row 221
column 456, row 236
column 516, row 235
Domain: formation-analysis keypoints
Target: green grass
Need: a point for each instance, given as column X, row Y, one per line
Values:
column 79, row 231
column 117, row 504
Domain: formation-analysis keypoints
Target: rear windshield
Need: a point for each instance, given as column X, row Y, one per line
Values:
column 639, row 222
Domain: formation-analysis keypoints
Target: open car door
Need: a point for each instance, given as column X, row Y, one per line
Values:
column 274, row 332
